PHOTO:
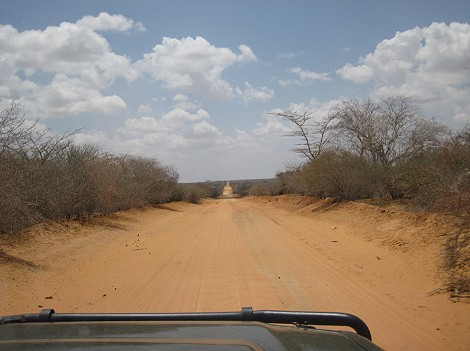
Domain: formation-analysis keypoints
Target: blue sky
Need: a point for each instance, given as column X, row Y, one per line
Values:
column 192, row 83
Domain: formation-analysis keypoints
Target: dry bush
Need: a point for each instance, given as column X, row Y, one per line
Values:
column 291, row 181
column 455, row 259
column 341, row 175
column 265, row 188
column 46, row 176
column 451, row 171
column 389, row 150
column 15, row 213
column 203, row 190
column 451, row 194
column 192, row 195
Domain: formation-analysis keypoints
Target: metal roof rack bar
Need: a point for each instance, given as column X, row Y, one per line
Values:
column 246, row 314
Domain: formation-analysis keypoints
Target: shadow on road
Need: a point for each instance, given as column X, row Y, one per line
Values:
column 163, row 207
column 9, row 259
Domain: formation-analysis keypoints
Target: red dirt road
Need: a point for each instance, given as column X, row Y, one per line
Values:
column 279, row 253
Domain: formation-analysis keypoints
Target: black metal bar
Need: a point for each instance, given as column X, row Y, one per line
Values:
column 314, row 318
column 109, row 317
column 246, row 314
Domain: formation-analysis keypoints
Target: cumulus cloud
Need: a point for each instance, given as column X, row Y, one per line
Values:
column 69, row 96
column 430, row 64
column 104, row 21
column 197, row 147
column 272, row 127
column 304, row 77
column 251, row 93
column 204, row 129
column 64, row 69
column 182, row 101
column 193, row 65
column 359, row 74
column 176, row 122
column 69, row 69
column 145, row 109
column 246, row 54
column 177, row 131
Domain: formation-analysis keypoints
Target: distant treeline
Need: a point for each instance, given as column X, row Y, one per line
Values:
column 214, row 189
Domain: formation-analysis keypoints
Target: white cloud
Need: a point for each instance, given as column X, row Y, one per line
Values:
column 63, row 70
column 174, row 121
column 65, row 95
column 104, row 21
column 107, row 105
column 196, row 147
column 95, row 137
column 177, row 131
column 68, row 49
column 145, row 109
column 359, row 74
column 251, row 93
column 180, row 116
column 246, row 54
column 183, row 102
column 204, row 129
column 180, row 98
column 304, row 77
column 316, row 109
column 272, row 127
column 430, row 64
column 193, row 65
column 68, row 69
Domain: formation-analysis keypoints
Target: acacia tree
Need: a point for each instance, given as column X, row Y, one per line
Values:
column 381, row 135
column 384, row 132
column 313, row 134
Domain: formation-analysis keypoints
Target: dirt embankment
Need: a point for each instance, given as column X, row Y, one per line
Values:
column 286, row 252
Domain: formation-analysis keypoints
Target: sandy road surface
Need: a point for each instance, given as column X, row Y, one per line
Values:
column 225, row 254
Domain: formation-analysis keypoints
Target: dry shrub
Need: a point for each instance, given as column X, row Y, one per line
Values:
column 440, row 181
column 291, row 181
column 456, row 261
column 269, row 187
column 341, row 175
column 46, row 176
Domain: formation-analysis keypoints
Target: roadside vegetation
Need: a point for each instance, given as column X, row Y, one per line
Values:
column 386, row 150
column 44, row 176
column 360, row 150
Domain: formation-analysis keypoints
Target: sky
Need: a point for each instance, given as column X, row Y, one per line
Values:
column 195, row 83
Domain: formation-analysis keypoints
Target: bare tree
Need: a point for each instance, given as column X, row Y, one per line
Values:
column 42, row 145
column 14, row 130
column 313, row 134
column 384, row 132
column 28, row 140
column 354, row 126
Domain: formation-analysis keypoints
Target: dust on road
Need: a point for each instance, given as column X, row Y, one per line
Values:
column 274, row 253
